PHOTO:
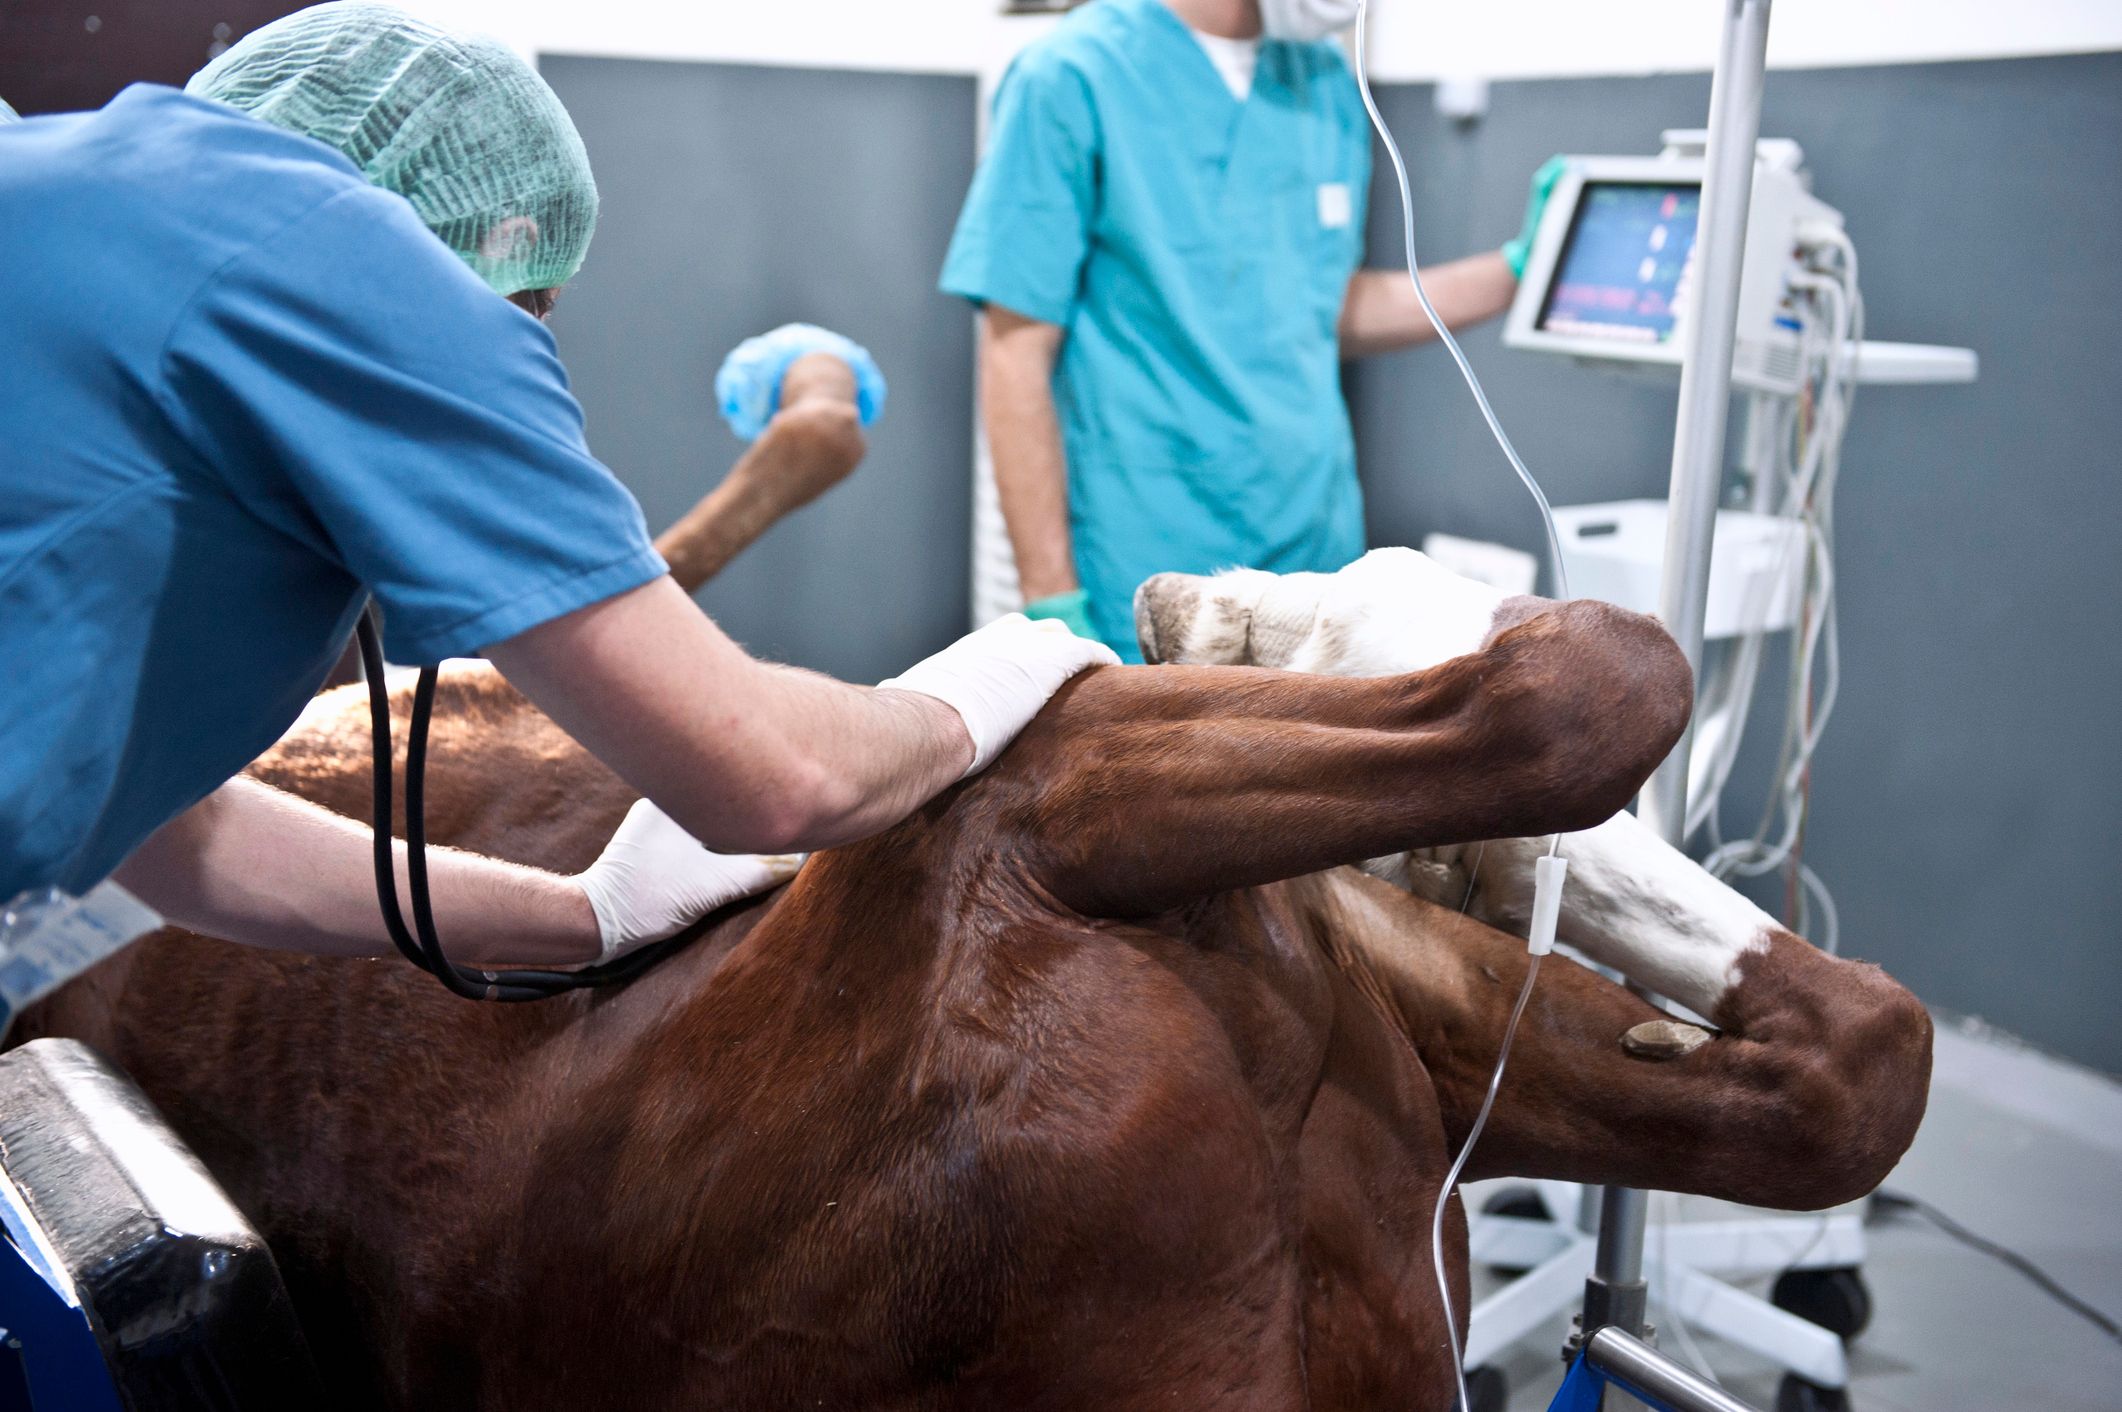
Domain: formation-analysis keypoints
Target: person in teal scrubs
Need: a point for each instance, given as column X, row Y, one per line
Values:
column 1164, row 238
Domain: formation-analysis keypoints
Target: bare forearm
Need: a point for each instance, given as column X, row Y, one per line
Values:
column 858, row 760
column 1024, row 434
column 254, row 864
column 748, row 757
column 811, row 445
column 1382, row 313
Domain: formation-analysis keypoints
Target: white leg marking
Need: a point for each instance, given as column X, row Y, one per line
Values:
column 1633, row 902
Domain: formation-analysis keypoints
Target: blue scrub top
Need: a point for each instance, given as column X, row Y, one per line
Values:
column 1197, row 250
column 240, row 388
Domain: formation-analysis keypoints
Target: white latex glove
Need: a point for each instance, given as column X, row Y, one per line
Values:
column 997, row 678
column 654, row 880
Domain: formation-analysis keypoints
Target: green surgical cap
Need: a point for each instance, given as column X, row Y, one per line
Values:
column 456, row 124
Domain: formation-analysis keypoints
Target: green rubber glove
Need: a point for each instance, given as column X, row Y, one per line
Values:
column 1518, row 251
column 1071, row 609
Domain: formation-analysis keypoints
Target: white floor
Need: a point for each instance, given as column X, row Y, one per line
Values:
column 2020, row 1148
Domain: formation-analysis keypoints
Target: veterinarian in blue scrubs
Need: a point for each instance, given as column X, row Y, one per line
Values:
column 273, row 346
column 1164, row 238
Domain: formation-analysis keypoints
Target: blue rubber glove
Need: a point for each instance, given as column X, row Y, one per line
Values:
column 1071, row 610
column 1519, row 250
column 749, row 386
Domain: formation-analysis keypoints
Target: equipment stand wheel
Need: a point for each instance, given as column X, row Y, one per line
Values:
column 1488, row 1389
column 1522, row 1203
column 1794, row 1394
column 1837, row 1300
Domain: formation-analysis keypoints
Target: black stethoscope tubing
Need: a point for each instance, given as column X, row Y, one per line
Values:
column 421, row 945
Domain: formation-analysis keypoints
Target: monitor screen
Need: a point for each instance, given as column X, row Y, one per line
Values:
column 1623, row 274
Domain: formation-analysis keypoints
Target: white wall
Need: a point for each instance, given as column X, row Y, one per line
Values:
column 1416, row 39
column 1545, row 38
column 918, row 36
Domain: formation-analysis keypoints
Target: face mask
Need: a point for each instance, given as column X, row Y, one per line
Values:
column 1306, row 21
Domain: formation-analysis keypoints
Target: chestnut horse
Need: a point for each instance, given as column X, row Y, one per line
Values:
column 1098, row 1083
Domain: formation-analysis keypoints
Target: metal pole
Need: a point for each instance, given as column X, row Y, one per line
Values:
column 1656, row 1379
column 1705, row 373
column 1615, row 1293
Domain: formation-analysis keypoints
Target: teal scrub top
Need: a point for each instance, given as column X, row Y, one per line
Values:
column 241, row 389
column 1197, row 251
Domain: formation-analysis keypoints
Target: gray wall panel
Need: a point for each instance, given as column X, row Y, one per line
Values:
column 1969, row 791
column 739, row 198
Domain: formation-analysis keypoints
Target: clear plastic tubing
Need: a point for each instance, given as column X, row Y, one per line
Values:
column 1561, row 572
column 1414, row 275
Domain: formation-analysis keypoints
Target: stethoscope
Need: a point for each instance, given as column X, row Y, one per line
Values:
column 421, row 945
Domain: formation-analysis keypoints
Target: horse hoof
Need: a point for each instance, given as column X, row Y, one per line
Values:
column 1664, row 1039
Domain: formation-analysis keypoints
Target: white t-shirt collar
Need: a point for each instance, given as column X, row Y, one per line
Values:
column 1237, row 60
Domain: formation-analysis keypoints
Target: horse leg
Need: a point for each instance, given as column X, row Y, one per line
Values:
column 1805, row 1097
column 1140, row 790
column 1632, row 902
